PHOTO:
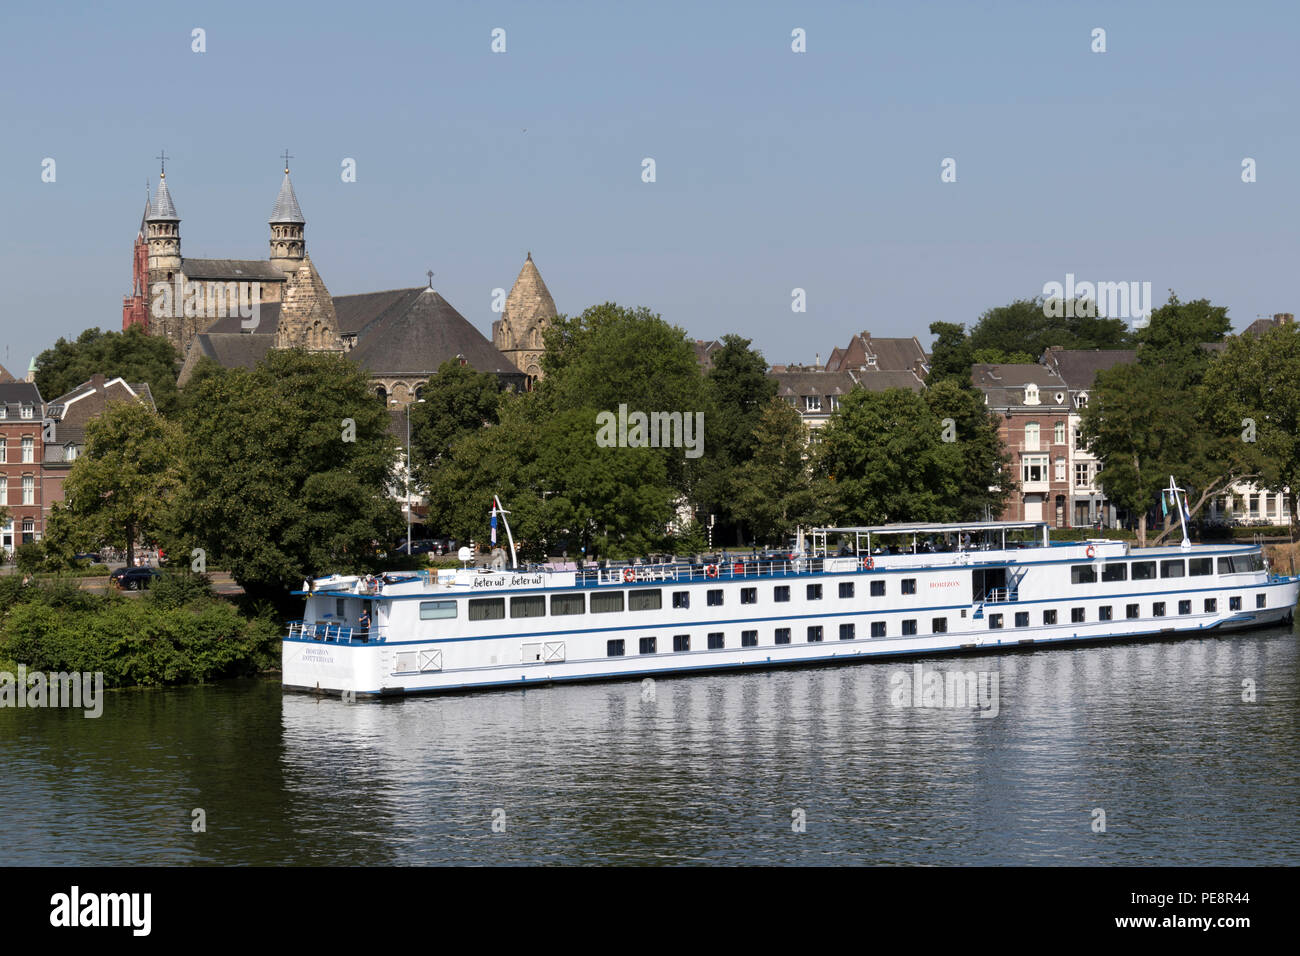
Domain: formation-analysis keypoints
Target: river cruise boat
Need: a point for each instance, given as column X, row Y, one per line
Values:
column 852, row 594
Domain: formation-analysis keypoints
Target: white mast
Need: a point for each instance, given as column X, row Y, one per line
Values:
column 498, row 510
column 1183, row 510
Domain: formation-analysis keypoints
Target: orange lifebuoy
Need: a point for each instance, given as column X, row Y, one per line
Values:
column 711, row 571
column 738, row 569
column 1091, row 551
column 629, row 575
column 868, row 563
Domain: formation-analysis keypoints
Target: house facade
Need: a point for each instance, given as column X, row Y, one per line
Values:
column 22, row 415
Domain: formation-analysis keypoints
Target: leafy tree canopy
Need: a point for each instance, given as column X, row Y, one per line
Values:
column 134, row 355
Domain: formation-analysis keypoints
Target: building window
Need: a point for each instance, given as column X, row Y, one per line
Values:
column 749, row 638
column 995, row 622
column 814, row 592
column 1033, row 468
column 877, row 628
column 614, row 648
column 1031, row 436
column 782, row 635
column 1081, row 475
column 1105, row 613
column 27, row 411
column 814, row 634
column 717, row 641
column 1049, row 617
column 29, row 490
column 681, row 642
column 4, row 448
column 1058, row 473
column 648, row 645
column 69, row 452
column 1133, row 611
column 681, row 599
column 812, row 403
column 1211, row 605
column 877, row 588
column 939, row 625
column 846, row 632
column 909, row 627
column 846, row 589
column 1058, row 437
column 1077, row 615
column 781, row 593
column 29, row 450
column 749, row 595
column 909, row 585
column 713, row 598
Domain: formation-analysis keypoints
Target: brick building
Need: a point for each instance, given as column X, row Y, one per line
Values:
column 21, row 449
column 1033, row 407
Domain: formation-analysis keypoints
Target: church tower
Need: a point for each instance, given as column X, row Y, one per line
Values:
column 134, row 311
column 288, row 245
column 163, row 229
column 307, row 317
column 528, row 313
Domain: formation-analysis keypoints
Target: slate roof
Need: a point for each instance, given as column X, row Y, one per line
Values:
column 4, row 375
column 163, row 210
column 416, row 339
column 1004, row 385
column 889, row 354
column 19, row 393
column 1078, row 368
column 286, row 204
column 234, row 270
column 227, row 349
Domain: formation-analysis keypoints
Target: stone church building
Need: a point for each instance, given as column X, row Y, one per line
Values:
column 234, row 311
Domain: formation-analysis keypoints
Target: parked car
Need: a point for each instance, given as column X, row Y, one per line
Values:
column 133, row 579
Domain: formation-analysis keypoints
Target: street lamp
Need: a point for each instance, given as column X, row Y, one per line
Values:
column 407, row 467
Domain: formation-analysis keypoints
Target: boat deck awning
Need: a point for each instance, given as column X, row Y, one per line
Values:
column 921, row 527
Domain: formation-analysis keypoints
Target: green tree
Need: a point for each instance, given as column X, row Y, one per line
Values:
column 456, row 401
column 774, row 488
column 977, row 454
column 286, row 471
column 951, row 355
column 1028, row 326
column 133, row 355
column 120, row 489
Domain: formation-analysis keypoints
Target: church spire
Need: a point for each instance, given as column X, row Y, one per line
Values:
column 288, row 227
column 163, row 228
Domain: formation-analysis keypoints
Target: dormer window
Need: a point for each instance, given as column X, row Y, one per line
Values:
column 27, row 411
column 1031, row 394
column 812, row 403
column 1081, row 400
column 69, row 452
column 871, row 360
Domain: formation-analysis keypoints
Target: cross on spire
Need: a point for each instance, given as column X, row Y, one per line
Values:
column 430, row 275
column 287, row 157
column 162, row 160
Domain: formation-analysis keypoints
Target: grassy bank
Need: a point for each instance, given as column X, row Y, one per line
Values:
column 178, row 633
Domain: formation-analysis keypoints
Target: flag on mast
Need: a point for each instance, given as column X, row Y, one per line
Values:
column 494, row 522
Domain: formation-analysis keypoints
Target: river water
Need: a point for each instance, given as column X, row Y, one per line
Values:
column 827, row 765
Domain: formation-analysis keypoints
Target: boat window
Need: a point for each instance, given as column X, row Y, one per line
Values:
column 814, row 634
column 1184, row 607
column 1234, row 603
column 1211, row 605
column 877, row 588
column 1158, row 609
column 749, row 638
column 432, row 610
column 814, row 592
column 648, row 645
column 877, row 628
column 1173, row 569
column 846, row 632
column 1225, row 565
column 1105, row 613
column 567, row 604
column 341, row 608
column 1077, row 615
column 1144, row 570
column 782, row 635
column 1022, row 619
column 717, row 641
column 650, row 599
column 487, row 609
column 681, row 642
column 714, row 597
column 846, row 589
column 1049, row 617
column 604, row 602
column 781, row 593
column 909, row 627
column 1115, row 571
column 1083, row 574
column 682, row 599
column 1261, row 600
column 749, row 595
column 939, row 625
column 909, row 585
column 614, row 648
column 532, row 606
column 1133, row 611
column 995, row 622
column 1198, row 566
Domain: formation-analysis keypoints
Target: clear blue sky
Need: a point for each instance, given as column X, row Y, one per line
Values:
column 774, row 169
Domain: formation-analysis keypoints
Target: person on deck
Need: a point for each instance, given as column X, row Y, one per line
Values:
column 363, row 624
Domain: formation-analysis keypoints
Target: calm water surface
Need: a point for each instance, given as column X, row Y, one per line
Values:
column 707, row 769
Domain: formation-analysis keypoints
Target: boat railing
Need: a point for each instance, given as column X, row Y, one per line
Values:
column 722, row 570
column 330, row 632
column 1001, row 596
